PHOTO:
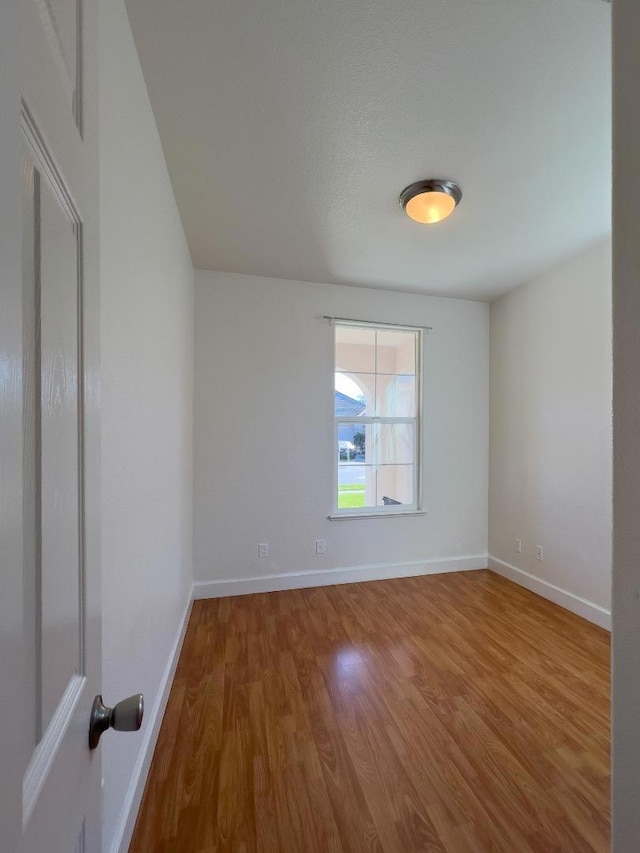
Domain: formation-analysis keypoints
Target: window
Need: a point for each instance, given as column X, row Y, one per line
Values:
column 377, row 419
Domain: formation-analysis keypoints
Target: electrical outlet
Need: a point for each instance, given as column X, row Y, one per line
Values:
column 263, row 550
column 321, row 546
column 517, row 545
column 539, row 553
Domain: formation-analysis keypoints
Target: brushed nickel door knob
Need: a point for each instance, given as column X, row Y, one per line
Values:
column 126, row 716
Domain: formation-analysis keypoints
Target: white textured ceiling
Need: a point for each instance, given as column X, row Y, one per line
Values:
column 290, row 127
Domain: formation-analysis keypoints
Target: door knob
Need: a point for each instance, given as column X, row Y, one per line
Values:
column 126, row 716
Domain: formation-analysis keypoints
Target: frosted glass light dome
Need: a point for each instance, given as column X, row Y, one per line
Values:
column 431, row 201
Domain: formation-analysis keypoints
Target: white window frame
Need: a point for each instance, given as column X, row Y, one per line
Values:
column 416, row 508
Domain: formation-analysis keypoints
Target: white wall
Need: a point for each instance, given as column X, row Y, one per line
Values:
column 626, row 432
column 550, row 472
column 147, row 376
column 263, row 429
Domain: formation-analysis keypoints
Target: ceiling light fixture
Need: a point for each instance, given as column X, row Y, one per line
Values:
column 430, row 201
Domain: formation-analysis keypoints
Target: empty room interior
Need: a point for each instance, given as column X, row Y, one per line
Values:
column 392, row 677
column 355, row 458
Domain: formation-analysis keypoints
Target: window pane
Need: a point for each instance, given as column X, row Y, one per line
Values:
column 396, row 352
column 356, row 486
column 396, row 396
column 394, row 485
column 355, row 350
column 376, row 444
column 354, row 394
column 352, row 442
column 396, row 444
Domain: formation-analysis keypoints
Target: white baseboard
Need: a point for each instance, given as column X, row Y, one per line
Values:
column 122, row 837
column 328, row 577
column 587, row 609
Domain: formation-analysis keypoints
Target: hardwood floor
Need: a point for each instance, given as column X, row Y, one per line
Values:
column 454, row 712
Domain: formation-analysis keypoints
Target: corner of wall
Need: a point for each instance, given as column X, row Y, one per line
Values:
column 135, row 790
column 580, row 606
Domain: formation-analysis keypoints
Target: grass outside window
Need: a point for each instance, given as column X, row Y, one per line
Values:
column 350, row 495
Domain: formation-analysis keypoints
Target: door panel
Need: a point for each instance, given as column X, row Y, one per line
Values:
column 61, row 507
column 61, row 22
column 30, row 452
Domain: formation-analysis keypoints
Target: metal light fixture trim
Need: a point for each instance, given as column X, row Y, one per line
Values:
column 448, row 191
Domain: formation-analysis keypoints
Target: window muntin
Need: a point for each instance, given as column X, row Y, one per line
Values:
column 377, row 429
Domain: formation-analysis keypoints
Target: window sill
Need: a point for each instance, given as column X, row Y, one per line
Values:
column 348, row 516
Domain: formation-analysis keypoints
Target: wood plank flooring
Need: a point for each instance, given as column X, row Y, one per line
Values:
column 454, row 712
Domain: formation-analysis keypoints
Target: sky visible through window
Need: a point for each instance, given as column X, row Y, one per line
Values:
column 347, row 386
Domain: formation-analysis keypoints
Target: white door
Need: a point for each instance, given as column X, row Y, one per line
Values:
column 49, row 444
